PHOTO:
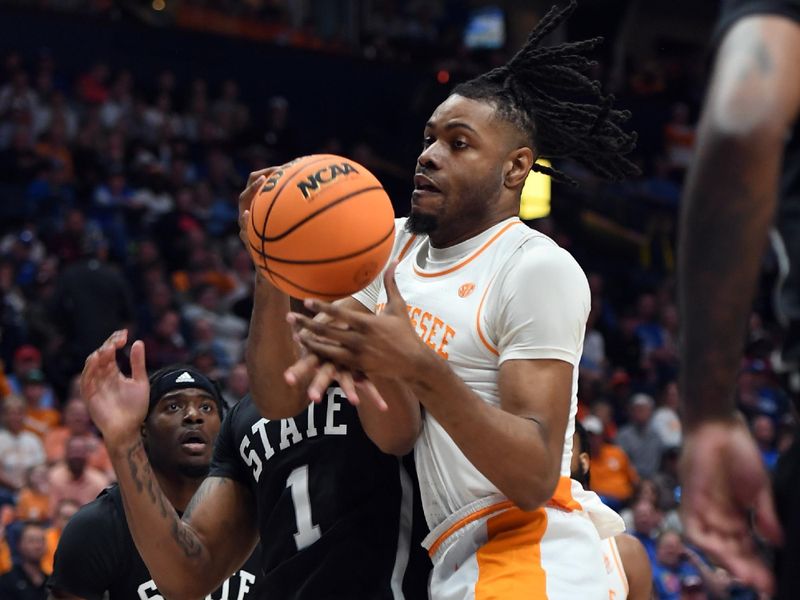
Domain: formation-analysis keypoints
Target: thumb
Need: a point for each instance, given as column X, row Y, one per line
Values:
column 767, row 523
column 138, row 369
column 394, row 299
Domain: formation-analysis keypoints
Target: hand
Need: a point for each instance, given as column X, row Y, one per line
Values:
column 321, row 375
column 385, row 345
column 723, row 481
column 117, row 404
column 254, row 183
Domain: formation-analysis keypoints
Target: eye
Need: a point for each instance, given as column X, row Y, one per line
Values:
column 427, row 141
column 460, row 144
column 207, row 407
column 173, row 406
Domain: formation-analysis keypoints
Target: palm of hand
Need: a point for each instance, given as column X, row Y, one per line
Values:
column 724, row 483
column 117, row 404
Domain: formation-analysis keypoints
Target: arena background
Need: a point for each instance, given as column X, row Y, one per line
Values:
column 127, row 130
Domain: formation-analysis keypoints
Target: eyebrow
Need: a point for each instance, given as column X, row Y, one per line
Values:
column 452, row 125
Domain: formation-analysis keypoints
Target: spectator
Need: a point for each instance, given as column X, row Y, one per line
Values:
column 671, row 566
column 27, row 358
column 33, row 503
column 77, row 423
column 38, row 419
column 73, row 478
column 19, row 449
column 764, row 433
column 603, row 410
column 92, row 300
column 166, row 345
column 666, row 422
column 639, row 439
column 647, row 522
column 26, row 580
column 613, row 476
column 236, row 385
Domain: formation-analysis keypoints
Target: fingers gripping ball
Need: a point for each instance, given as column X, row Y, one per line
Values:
column 322, row 226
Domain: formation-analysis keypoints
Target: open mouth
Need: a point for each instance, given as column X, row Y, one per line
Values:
column 425, row 184
column 193, row 441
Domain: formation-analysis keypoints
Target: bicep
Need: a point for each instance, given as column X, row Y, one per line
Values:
column 223, row 515
column 540, row 390
column 754, row 82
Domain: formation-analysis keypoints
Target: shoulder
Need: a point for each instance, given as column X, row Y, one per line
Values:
column 98, row 516
column 540, row 254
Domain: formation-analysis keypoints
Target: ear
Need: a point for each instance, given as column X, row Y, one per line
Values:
column 517, row 166
column 585, row 461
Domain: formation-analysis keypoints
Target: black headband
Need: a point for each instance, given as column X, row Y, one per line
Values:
column 178, row 378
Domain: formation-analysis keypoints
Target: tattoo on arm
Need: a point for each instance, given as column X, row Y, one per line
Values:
column 145, row 480
column 202, row 492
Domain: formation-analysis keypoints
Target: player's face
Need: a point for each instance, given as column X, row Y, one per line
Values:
column 460, row 172
column 181, row 430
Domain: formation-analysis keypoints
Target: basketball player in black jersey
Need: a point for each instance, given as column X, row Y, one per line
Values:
column 748, row 155
column 96, row 554
column 334, row 513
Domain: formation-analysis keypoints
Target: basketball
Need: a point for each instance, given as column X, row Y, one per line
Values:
column 322, row 226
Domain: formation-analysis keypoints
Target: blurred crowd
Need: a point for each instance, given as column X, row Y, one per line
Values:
column 118, row 209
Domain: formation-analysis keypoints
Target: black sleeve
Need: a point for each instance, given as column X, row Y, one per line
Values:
column 88, row 554
column 733, row 10
column 226, row 462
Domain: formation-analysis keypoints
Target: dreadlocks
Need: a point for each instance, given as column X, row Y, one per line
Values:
column 531, row 91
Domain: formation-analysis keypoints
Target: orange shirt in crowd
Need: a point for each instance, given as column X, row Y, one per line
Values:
column 55, row 446
column 83, row 490
column 33, row 506
column 5, row 557
column 41, row 420
column 612, row 473
column 51, row 537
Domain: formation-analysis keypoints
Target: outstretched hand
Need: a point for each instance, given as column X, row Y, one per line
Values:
column 117, row 404
column 724, row 485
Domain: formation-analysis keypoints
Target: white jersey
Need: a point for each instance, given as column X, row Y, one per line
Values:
column 508, row 293
column 617, row 580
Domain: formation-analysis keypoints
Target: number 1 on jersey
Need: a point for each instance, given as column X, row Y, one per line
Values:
column 307, row 532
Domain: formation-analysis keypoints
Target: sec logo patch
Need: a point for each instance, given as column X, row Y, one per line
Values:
column 466, row 289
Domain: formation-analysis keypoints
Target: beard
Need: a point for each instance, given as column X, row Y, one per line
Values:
column 194, row 471
column 421, row 223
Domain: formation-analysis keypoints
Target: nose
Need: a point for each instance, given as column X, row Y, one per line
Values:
column 192, row 414
column 428, row 158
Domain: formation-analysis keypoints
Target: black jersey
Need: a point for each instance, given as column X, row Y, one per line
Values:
column 335, row 514
column 96, row 553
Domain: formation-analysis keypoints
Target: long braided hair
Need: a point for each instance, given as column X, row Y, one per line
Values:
column 535, row 92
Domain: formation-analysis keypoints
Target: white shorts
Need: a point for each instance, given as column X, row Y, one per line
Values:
column 492, row 550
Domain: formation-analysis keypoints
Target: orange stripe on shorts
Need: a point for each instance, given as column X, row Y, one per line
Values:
column 510, row 563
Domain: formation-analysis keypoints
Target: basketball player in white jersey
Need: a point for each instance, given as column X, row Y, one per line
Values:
column 483, row 329
column 625, row 559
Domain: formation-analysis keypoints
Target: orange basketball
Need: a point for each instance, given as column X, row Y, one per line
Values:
column 322, row 226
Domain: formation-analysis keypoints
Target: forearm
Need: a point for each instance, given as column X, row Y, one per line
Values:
column 509, row 450
column 728, row 208
column 395, row 430
column 175, row 556
column 270, row 351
